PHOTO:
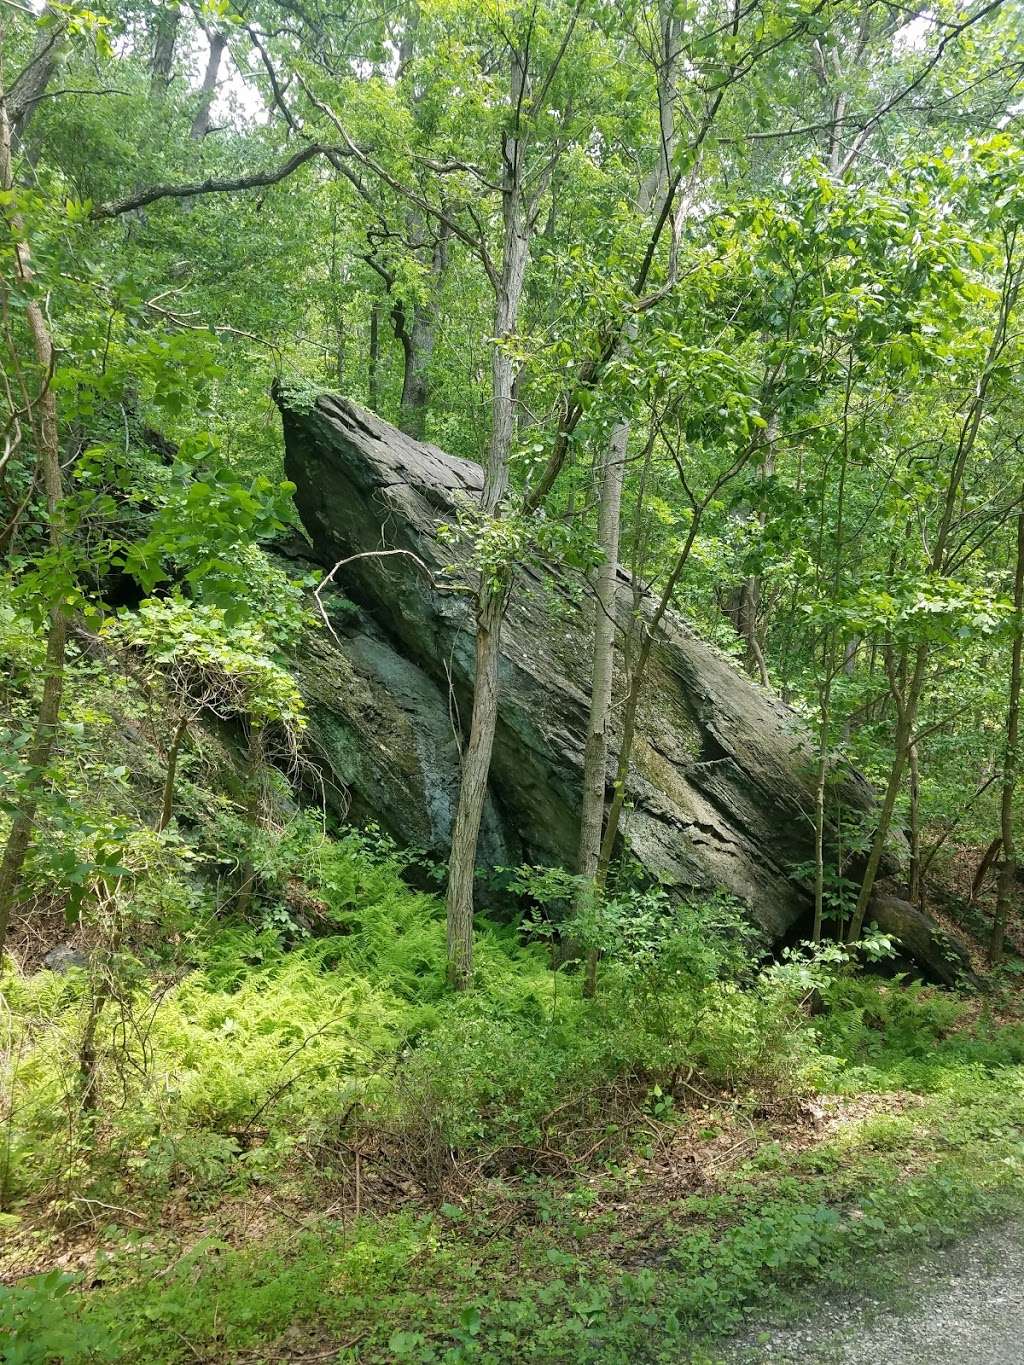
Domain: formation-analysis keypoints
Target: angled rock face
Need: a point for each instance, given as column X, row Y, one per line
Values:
column 721, row 785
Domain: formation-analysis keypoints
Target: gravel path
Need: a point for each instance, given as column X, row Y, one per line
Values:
column 963, row 1306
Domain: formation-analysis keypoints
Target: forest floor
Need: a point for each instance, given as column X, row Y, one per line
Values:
column 537, row 1181
column 724, row 1221
column 963, row 1303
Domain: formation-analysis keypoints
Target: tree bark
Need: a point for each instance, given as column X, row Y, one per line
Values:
column 167, row 800
column 41, row 749
column 914, row 878
column 252, row 813
column 820, row 781
column 373, row 360
column 1008, row 863
column 208, row 89
column 901, row 746
column 495, row 581
column 476, row 766
column 88, row 1062
column 613, row 471
column 985, row 866
column 24, row 97
column 611, row 831
column 165, row 40
column 418, row 346
column 595, row 757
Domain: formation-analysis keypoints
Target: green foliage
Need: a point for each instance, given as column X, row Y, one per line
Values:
column 447, row 1285
column 38, row 1323
column 816, row 344
column 221, row 664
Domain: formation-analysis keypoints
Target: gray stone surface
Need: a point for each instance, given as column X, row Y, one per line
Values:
column 962, row 1306
column 63, row 958
column 722, row 779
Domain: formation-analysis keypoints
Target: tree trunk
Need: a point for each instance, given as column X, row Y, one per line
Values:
column 201, row 122
column 252, row 814
column 850, row 669
column 595, row 757
column 495, row 581
column 596, row 751
column 161, row 62
column 613, row 471
column 373, row 361
column 985, row 866
column 914, row 877
column 88, row 1068
column 901, row 745
column 336, row 311
column 476, row 766
column 611, row 831
column 24, row 97
column 820, row 780
column 167, row 801
column 1008, row 863
column 750, row 600
column 20, row 835
column 418, row 346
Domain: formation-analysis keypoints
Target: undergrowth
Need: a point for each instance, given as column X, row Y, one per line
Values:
column 296, row 1141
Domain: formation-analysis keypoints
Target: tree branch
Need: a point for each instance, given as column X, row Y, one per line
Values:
column 116, row 207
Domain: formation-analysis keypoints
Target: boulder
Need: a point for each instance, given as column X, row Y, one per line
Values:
column 722, row 779
column 923, row 942
column 64, row 958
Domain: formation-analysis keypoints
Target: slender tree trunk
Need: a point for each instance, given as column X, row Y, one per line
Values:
column 985, row 866
column 820, row 782
column 494, row 586
column 167, row 801
column 252, row 813
column 901, row 746
column 201, row 122
column 337, row 315
column 419, row 348
column 750, row 604
column 373, row 362
column 88, row 1062
column 19, row 837
column 595, row 756
column 849, row 669
column 914, row 878
column 1008, row 863
column 476, row 766
column 629, row 711
column 339, row 350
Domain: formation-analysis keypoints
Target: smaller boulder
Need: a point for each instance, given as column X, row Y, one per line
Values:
column 63, row 958
column 924, row 942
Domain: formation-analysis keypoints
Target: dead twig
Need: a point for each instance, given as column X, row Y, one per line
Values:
column 363, row 554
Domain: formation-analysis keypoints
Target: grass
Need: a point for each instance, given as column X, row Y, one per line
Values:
column 585, row 1269
column 305, row 1148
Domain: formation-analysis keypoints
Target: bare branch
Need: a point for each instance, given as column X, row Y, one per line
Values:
column 116, row 207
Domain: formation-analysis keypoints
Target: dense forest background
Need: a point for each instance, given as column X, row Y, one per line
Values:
column 728, row 293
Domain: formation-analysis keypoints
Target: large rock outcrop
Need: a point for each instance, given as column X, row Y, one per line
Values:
column 721, row 789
